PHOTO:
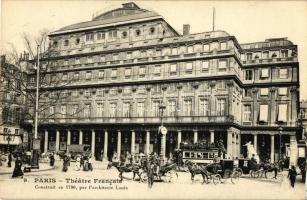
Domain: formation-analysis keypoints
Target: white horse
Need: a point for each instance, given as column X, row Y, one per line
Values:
column 251, row 150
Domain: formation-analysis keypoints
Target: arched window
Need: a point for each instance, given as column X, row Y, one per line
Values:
column 66, row 43
column 138, row 32
column 125, row 34
column 152, row 30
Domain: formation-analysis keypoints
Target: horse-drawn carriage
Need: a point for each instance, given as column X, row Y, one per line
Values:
column 218, row 172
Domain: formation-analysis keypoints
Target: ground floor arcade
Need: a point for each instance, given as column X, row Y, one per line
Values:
column 107, row 141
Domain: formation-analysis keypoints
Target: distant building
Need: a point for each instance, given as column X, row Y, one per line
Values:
column 10, row 107
column 128, row 64
column 303, row 117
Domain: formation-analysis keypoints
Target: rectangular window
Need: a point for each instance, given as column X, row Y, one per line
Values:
column 113, row 34
column 64, row 78
column 189, row 67
column 247, row 113
column 75, row 93
column 223, row 45
column 249, row 56
column 221, row 84
column 190, row 49
column 63, row 110
column 265, row 55
column 115, row 57
column 222, row 64
column 220, row 110
column 127, row 109
column 102, row 58
column 205, row 66
column 89, row 37
column 87, row 111
column 156, row 108
column 127, row 90
column 283, row 73
column 187, row 107
column 203, row 107
column 284, row 53
column 76, row 76
column 142, row 71
column 140, row 109
column 101, row 74
column 51, row 110
column 264, row 73
column 157, row 70
column 249, row 75
column 101, row 36
column 129, row 55
column 282, row 112
column 264, row 91
column 174, row 51
column 99, row 109
column 87, row 93
column 75, row 108
column 127, row 73
column 113, row 109
column 283, row 91
column 206, row 47
column 89, row 59
column 263, row 113
column 114, row 74
column 171, row 108
column 88, row 75
column 173, row 69
column 77, row 61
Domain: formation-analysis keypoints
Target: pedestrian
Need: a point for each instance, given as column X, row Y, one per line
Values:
column 9, row 163
column 51, row 158
column 90, row 163
column 85, row 165
column 78, row 163
column 81, row 161
column 101, row 155
column 65, row 163
column 292, row 175
column 17, row 170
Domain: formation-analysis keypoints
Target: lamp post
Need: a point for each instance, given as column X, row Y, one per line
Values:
column 280, row 129
column 162, row 131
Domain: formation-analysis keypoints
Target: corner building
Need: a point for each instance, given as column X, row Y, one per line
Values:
column 126, row 63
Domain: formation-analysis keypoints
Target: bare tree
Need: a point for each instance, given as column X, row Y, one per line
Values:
column 52, row 92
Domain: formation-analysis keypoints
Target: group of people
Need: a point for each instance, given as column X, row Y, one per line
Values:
column 84, row 162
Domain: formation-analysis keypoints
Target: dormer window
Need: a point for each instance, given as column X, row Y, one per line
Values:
column 125, row 34
column 138, row 32
column 66, row 43
column 152, row 30
column 77, row 40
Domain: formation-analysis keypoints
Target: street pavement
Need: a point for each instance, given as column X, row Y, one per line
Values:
column 54, row 183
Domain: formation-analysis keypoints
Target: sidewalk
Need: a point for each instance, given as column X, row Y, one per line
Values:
column 9, row 170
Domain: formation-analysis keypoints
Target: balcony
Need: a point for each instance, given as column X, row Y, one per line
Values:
column 144, row 120
column 269, row 60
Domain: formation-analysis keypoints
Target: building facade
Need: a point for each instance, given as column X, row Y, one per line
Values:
column 127, row 71
column 11, row 106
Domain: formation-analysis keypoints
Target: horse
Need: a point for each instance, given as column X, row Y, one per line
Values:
column 194, row 169
column 134, row 168
column 264, row 168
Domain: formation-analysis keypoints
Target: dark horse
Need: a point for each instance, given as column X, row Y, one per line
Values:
column 194, row 169
column 135, row 169
column 166, row 170
column 264, row 168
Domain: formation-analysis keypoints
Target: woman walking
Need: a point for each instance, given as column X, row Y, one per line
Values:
column 65, row 163
column 17, row 170
column 292, row 175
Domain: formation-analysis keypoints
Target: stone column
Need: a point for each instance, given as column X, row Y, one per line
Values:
column 211, row 136
column 132, row 143
column 68, row 137
column 293, row 150
column 229, row 143
column 234, row 145
column 105, row 146
column 80, row 137
column 46, row 142
column 119, row 143
column 195, row 136
column 57, row 141
column 93, row 143
column 255, row 143
column 239, row 146
column 178, row 139
column 147, row 149
column 272, row 149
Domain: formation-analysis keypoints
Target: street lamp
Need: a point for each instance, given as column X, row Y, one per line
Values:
column 280, row 129
column 162, row 131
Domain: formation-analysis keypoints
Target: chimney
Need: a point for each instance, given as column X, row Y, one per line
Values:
column 186, row 29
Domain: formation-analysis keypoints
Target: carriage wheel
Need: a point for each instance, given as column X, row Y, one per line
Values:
column 235, row 177
column 239, row 171
column 217, row 179
column 255, row 174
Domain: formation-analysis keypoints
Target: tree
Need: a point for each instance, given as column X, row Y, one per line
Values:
column 52, row 92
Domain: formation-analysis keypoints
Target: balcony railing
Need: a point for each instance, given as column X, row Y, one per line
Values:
column 270, row 60
column 143, row 120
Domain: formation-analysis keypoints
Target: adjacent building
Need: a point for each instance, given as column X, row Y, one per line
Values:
column 11, row 105
column 127, row 71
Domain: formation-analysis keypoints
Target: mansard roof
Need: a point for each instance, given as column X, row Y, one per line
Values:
column 130, row 12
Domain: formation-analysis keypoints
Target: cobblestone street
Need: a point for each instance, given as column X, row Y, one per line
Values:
column 245, row 188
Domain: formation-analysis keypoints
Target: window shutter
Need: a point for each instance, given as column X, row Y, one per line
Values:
column 282, row 112
column 263, row 113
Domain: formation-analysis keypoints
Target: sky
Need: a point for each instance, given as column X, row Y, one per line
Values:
column 248, row 21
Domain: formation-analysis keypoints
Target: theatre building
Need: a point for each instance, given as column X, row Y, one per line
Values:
column 129, row 71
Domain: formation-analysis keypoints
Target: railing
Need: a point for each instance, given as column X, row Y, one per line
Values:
column 270, row 60
column 142, row 120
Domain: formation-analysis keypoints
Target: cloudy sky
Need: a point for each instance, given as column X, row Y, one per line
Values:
column 248, row 21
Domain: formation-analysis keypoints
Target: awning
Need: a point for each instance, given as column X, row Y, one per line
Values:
column 15, row 140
